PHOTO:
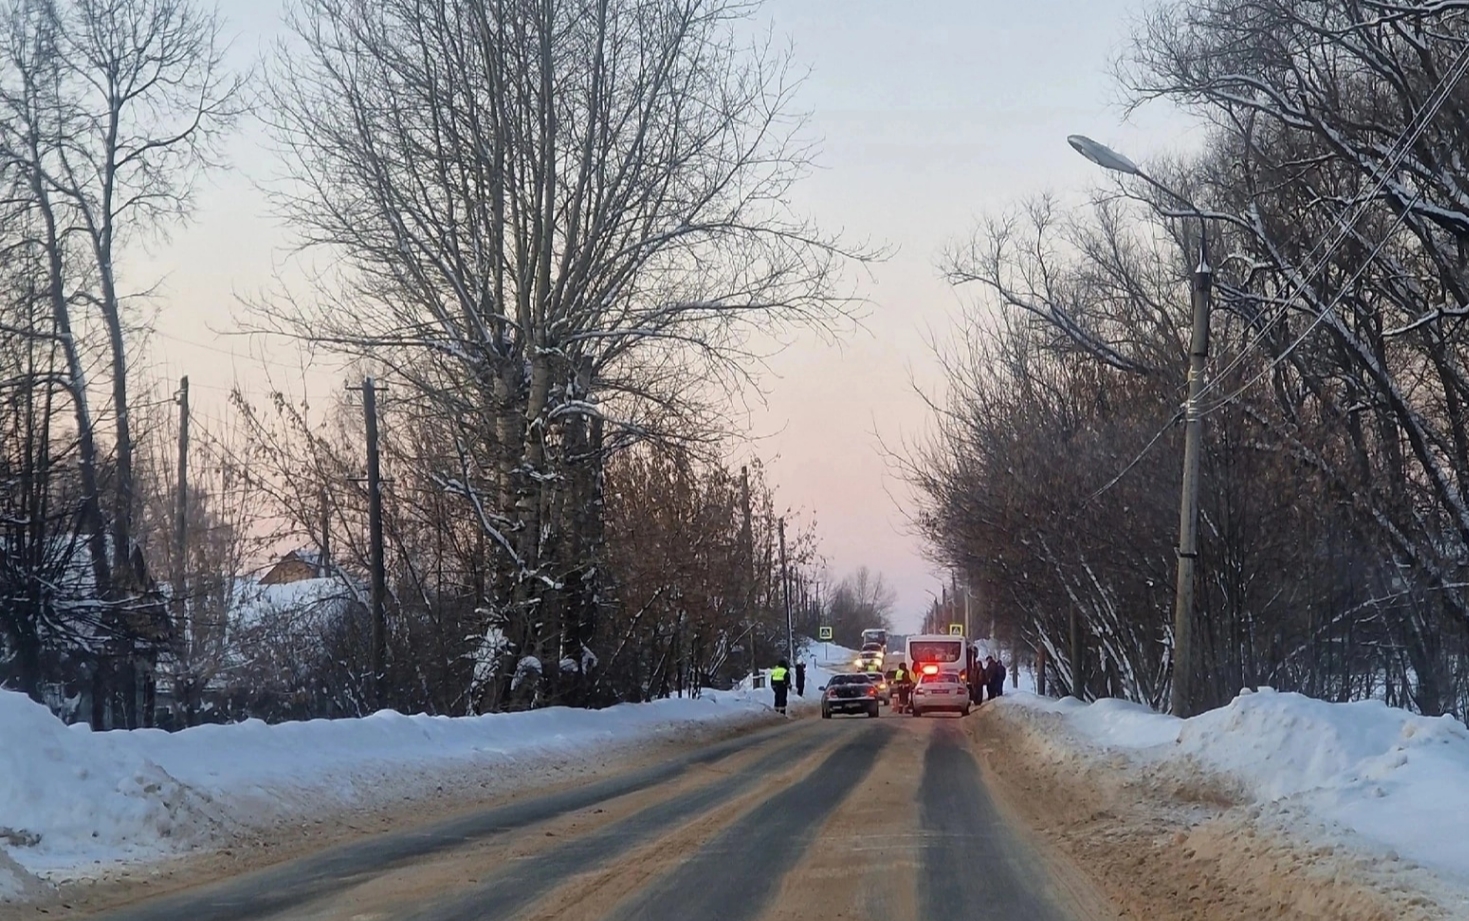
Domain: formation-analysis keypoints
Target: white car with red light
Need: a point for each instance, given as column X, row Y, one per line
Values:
column 940, row 691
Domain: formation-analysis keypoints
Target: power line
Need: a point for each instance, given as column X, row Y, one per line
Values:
column 1400, row 149
column 1330, row 305
column 231, row 353
column 1402, row 145
column 1137, row 459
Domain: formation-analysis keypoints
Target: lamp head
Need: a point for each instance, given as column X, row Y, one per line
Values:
column 1102, row 155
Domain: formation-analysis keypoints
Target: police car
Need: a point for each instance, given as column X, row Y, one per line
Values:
column 940, row 690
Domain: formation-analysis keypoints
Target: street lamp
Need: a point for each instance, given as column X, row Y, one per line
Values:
column 1181, row 703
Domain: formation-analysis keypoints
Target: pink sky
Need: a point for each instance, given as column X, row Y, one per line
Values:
column 930, row 113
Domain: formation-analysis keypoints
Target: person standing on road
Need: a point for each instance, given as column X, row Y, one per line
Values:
column 800, row 678
column 780, row 683
column 903, row 682
column 995, row 672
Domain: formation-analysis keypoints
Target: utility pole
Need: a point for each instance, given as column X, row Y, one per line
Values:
column 785, row 584
column 1078, row 673
column 183, row 632
column 324, row 562
column 375, row 537
column 747, row 569
column 968, row 593
column 1184, row 665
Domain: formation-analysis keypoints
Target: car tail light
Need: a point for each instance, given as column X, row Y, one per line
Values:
column 872, row 692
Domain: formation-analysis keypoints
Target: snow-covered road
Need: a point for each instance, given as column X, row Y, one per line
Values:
column 1247, row 800
column 844, row 818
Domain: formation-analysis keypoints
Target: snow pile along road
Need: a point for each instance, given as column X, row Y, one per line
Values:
column 1357, row 774
column 71, row 799
column 66, row 794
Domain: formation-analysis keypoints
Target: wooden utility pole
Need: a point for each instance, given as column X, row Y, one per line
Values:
column 785, row 584
column 324, row 561
column 747, row 567
column 183, row 629
column 375, row 538
column 968, row 597
column 1078, row 667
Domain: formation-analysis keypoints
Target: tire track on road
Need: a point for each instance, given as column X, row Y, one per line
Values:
column 505, row 892
column 737, row 873
column 864, row 861
column 973, row 865
column 280, row 888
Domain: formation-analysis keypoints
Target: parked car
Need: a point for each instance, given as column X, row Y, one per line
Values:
column 849, row 694
column 880, row 681
column 941, row 691
column 868, row 662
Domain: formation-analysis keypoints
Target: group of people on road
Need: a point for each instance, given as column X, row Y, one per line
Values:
column 781, row 678
column 989, row 679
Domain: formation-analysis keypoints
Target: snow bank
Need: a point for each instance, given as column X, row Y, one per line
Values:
column 70, row 798
column 1399, row 780
column 830, row 656
column 65, row 792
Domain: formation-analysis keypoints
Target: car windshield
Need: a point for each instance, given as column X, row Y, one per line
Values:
column 940, row 678
column 848, row 679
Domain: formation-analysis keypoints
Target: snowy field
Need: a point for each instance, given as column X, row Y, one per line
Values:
column 1358, row 775
column 75, row 803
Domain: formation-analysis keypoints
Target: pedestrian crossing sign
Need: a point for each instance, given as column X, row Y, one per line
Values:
column 956, row 629
column 823, row 633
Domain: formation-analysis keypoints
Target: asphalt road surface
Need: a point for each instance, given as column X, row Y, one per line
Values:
column 855, row 818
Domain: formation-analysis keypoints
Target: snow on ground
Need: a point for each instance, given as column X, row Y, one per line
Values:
column 72, row 799
column 1359, row 774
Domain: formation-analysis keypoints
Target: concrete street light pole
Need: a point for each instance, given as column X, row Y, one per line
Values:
column 1184, row 660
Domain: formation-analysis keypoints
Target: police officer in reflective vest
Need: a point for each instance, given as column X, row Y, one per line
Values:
column 903, row 681
column 780, row 682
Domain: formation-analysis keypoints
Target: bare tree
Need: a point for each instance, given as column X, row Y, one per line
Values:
column 559, row 224
column 1050, row 476
column 1342, row 125
column 147, row 98
column 108, row 109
